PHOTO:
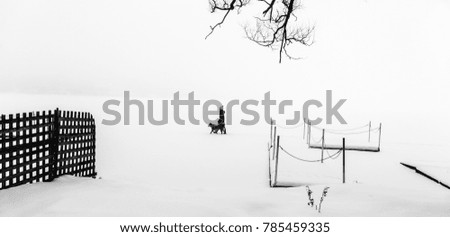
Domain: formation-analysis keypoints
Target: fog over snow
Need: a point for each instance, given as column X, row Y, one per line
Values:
column 389, row 59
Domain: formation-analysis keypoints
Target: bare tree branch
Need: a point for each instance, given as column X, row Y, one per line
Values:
column 274, row 28
column 227, row 6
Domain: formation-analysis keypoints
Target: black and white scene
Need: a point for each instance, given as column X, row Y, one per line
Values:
column 224, row 108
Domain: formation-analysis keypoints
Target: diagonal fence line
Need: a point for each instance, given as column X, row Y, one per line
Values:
column 342, row 130
column 349, row 131
column 289, row 126
column 352, row 133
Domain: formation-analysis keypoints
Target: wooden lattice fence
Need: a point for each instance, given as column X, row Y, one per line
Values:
column 42, row 146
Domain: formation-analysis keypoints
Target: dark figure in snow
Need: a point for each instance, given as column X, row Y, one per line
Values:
column 222, row 118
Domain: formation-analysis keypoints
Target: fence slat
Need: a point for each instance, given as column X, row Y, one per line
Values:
column 42, row 146
column 2, row 157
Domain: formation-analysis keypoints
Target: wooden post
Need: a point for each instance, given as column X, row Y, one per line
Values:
column 274, row 144
column 323, row 144
column 276, row 162
column 379, row 138
column 94, row 146
column 9, row 137
column 54, row 145
column 17, row 139
column 370, row 128
column 304, row 126
column 3, row 160
column 309, row 133
column 270, row 170
column 271, row 131
column 343, row 160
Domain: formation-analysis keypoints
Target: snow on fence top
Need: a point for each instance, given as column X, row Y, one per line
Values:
column 42, row 146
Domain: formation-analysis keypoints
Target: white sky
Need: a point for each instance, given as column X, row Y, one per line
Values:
column 384, row 55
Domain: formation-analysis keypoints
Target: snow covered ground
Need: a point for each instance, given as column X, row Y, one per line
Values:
column 178, row 170
column 389, row 59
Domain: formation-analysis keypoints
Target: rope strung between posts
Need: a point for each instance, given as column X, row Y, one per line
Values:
column 295, row 157
column 335, row 155
column 347, row 131
column 341, row 130
column 314, row 140
column 311, row 161
column 353, row 133
column 289, row 126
